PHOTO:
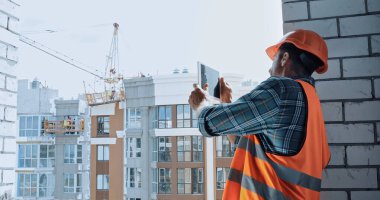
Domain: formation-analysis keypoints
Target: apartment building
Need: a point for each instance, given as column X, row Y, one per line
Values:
column 149, row 146
column 53, row 145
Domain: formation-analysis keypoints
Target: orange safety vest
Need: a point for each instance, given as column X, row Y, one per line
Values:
column 256, row 174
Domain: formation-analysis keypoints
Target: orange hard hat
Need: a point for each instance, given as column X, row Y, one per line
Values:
column 306, row 40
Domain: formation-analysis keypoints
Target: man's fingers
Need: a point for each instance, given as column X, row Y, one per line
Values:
column 205, row 87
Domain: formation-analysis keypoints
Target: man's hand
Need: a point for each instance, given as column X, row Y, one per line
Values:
column 197, row 96
column 225, row 91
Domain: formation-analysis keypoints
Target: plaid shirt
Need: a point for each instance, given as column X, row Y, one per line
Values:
column 275, row 110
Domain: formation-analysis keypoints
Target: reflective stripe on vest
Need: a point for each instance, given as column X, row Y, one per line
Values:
column 255, row 174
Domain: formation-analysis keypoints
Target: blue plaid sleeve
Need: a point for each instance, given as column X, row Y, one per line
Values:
column 251, row 114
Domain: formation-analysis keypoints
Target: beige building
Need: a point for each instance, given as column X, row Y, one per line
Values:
column 149, row 146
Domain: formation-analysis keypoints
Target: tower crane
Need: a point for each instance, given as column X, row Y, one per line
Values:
column 112, row 78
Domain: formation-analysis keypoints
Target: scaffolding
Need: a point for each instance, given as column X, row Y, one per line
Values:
column 65, row 126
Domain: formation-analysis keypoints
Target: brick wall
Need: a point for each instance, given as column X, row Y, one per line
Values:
column 8, row 95
column 349, row 91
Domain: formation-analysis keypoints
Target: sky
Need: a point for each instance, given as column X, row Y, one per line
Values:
column 155, row 37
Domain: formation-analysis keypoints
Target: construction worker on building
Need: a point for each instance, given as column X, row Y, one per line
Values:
column 283, row 147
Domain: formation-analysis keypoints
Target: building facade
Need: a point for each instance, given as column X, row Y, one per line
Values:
column 53, row 145
column 9, row 44
column 157, row 145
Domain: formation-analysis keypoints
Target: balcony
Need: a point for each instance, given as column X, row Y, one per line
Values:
column 65, row 126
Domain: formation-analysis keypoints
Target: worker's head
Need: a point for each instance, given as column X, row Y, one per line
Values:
column 299, row 53
column 291, row 61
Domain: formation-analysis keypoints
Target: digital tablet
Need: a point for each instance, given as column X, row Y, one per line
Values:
column 211, row 76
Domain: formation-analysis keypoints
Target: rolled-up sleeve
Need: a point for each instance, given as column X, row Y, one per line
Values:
column 252, row 113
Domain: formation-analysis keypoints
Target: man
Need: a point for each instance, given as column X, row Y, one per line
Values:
column 283, row 149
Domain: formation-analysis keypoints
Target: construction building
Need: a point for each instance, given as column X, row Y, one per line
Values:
column 149, row 146
column 52, row 143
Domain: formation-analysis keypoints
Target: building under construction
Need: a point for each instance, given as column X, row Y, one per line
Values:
column 149, row 146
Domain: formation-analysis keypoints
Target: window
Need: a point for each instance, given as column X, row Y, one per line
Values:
column 102, row 182
column 164, row 149
column 72, row 183
column 46, row 185
column 194, row 119
column 197, row 148
column 133, row 178
column 133, row 149
column 35, row 185
column 29, row 126
column 47, row 156
column 27, row 185
column 186, row 117
column 184, row 181
column 72, row 153
column 221, row 177
column 183, row 116
column 190, row 148
column 190, row 181
column 133, row 118
column 164, row 183
column 103, row 125
column 103, row 152
column 164, row 116
column 223, row 147
column 27, row 155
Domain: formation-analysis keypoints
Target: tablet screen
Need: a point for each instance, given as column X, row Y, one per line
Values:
column 209, row 75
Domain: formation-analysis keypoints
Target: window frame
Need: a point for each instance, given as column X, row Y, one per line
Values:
column 134, row 122
column 194, row 152
column 103, row 179
column 132, row 149
column 221, row 184
column 166, row 180
column 194, row 183
column 104, row 150
column 167, row 117
column 101, row 129
column 136, row 176
column 166, row 153
column 76, row 159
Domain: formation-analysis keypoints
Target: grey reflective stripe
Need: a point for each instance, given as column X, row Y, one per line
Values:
column 285, row 173
column 255, row 186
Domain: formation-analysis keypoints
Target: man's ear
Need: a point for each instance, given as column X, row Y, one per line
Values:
column 285, row 59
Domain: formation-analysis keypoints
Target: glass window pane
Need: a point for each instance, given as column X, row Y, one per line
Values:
column 186, row 111
column 106, row 152
column 100, row 152
column 179, row 112
column 99, row 182
column 161, row 113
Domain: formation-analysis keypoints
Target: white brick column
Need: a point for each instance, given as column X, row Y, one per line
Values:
column 8, row 96
column 349, row 91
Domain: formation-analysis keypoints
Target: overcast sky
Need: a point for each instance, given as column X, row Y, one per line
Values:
column 155, row 37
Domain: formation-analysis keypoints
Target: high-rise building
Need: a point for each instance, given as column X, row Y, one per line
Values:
column 53, row 145
column 9, row 19
column 149, row 146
